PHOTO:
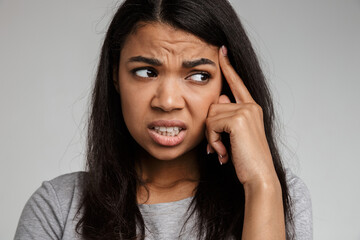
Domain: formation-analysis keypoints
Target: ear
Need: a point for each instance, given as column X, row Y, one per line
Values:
column 115, row 80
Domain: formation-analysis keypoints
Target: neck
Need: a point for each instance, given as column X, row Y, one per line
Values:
column 167, row 180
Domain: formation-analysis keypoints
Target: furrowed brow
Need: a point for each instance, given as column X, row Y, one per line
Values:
column 197, row 62
column 151, row 61
column 185, row 64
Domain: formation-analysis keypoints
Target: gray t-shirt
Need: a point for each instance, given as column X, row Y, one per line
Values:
column 50, row 213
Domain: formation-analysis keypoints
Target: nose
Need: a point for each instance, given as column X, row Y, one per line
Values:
column 168, row 96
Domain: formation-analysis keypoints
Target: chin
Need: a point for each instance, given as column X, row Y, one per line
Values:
column 166, row 155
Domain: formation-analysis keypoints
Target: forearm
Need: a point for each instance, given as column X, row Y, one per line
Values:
column 264, row 214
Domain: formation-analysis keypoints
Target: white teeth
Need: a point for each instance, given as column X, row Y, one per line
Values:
column 168, row 131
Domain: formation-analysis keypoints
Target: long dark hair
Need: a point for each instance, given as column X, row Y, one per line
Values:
column 109, row 204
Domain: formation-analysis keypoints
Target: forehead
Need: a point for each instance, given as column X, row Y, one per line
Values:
column 157, row 39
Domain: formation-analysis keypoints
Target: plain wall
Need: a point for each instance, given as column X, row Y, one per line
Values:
column 310, row 52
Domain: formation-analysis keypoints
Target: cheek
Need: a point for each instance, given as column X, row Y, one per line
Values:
column 130, row 102
column 133, row 114
column 127, row 112
column 202, row 98
column 200, row 104
column 208, row 96
column 132, row 107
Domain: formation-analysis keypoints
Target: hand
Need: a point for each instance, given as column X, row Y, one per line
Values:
column 243, row 121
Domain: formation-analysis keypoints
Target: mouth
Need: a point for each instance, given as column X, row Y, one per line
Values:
column 167, row 133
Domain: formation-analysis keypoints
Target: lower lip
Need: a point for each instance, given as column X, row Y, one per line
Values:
column 167, row 140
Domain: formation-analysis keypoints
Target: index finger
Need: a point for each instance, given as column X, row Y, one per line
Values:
column 236, row 84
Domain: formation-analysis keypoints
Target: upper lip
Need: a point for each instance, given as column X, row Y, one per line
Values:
column 167, row 123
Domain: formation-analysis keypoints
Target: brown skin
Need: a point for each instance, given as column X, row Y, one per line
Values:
column 243, row 120
column 175, row 93
column 171, row 91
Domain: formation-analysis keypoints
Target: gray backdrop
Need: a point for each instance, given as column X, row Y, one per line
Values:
column 309, row 51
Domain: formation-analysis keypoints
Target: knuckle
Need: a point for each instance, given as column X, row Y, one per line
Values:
column 240, row 120
column 254, row 106
column 257, row 108
column 212, row 110
column 233, row 77
column 246, row 112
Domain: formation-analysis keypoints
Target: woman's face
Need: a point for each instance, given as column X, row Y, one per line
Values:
column 167, row 81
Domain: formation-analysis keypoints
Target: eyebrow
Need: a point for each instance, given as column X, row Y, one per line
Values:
column 185, row 64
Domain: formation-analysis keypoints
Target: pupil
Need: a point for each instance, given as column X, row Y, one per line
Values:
column 150, row 73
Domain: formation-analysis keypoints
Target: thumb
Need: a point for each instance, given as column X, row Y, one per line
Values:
column 224, row 99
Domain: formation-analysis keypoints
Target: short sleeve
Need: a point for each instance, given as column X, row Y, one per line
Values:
column 302, row 207
column 41, row 217
column 53, row 211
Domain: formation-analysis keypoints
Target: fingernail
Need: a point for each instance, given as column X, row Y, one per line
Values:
column 224, row 50
column 220, row 157
column 208, row 149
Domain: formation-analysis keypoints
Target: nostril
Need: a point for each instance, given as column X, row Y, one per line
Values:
column 168, row 95
column 167, row 106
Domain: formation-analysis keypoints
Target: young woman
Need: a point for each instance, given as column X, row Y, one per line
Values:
column 181, row 138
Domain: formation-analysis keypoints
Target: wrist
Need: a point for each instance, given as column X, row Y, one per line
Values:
column 263, row 185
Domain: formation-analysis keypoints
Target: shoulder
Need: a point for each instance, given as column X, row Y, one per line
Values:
column 298, row 189
column 67, row 183
column 301, row 206
column 66, row 189
column 299, row 192
column 67, row 186
column 51, row 210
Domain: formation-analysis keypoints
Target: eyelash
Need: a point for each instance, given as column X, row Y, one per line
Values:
column 206, row 74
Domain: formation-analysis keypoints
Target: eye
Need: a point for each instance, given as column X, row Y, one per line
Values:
column 199, row 77
column 144, row 72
